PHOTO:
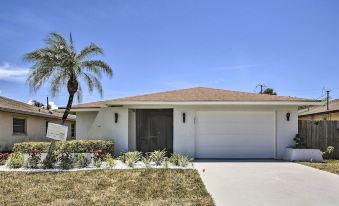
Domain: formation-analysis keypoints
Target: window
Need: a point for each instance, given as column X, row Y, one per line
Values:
column 19, row 126
column 73, row 130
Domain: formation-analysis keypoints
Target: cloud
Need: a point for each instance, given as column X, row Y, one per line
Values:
column 52, row 104
column 13, row 73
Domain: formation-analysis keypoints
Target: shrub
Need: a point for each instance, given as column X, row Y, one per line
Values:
column 184, row 160
column 34, row 159
column 73, row 146
column 158, row 156
column 147, row 161
column 111, row 162
column 299, row 142
column 16, row 160
column 132, row 157
column 66, row 161
column 174, row 159
column 180, row 160
column 328, row 152
column 97, row 162
column 82, row 161
column 3, row 158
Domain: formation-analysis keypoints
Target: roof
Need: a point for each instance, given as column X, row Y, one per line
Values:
column 10, row 105
column 333, row 107
column 197, row 94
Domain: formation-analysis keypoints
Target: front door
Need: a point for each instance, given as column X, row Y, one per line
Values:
column 154, row 130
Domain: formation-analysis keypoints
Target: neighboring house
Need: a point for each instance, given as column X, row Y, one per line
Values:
column 20, row 122
column 321, row 112
column 201, row 122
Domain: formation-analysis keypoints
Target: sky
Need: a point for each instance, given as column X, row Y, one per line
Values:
column 291, row 46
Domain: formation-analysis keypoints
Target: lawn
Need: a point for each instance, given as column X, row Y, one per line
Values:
column 104, row 187
column 329, row 166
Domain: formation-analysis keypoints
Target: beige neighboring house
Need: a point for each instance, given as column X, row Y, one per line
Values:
column 21, row 122
column 321, row 112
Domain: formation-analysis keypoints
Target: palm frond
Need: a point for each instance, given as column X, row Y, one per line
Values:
column 92, row 49
column 98, row 66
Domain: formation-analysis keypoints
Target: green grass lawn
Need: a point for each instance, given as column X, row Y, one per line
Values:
column 328, row 165
column 104, row 187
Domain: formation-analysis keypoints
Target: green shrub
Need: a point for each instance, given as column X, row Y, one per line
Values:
column 111, row 162
column 174, row 159
column 66, row 161
column 82, row 161
column 15, row 160
column 34, row 159
column 132, row 157
column 328, row 153
column 158, row 156
column 184, row 160
column 97, row 162
column 147, row 161
column 73, row 146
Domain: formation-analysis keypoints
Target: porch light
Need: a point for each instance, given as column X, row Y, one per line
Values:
column 183, row 117
column 288, row 115
column 116, row 116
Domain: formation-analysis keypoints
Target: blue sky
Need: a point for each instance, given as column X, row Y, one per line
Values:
column 152, row 45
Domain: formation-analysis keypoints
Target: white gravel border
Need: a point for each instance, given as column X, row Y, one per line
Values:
column 119, row 166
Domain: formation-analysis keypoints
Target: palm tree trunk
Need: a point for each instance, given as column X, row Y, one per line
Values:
column 68, row 108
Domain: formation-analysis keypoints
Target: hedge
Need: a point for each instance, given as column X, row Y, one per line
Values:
column 73, row 146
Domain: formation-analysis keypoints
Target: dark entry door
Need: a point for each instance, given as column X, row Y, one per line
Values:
column 154, row 129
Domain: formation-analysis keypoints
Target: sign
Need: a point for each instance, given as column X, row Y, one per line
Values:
column 57, row 131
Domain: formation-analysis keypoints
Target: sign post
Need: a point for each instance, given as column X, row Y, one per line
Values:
column 57, row 131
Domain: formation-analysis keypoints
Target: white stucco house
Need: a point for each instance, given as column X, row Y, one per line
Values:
column 201, row 122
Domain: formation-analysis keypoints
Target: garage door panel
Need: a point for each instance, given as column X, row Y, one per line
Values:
column 223, row 134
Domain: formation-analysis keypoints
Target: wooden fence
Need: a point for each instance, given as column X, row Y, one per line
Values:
column 320, row 134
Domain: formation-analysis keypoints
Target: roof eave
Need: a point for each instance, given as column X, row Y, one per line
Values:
column 297, row 103
column 32, row 114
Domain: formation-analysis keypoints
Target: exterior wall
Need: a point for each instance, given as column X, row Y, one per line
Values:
column 35, row 129
column 184, row 134
column 100, row 125
column 318, row 117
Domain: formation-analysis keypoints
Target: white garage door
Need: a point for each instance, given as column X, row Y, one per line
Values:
column 235, row 134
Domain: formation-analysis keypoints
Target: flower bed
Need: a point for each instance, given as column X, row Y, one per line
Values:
column 36, row 161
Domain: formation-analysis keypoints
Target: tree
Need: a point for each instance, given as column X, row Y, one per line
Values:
column 60, row 64
column 269, row 91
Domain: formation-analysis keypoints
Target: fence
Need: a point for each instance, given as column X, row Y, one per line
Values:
column 320, row 134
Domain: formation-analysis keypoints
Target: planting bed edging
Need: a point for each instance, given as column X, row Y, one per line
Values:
column 119, row 165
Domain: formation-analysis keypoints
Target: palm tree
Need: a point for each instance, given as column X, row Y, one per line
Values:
column 60, row 65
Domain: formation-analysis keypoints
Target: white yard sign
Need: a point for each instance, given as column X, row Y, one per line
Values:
column 57, row 131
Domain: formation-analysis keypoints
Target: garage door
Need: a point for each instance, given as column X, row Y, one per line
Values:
column 235, row 134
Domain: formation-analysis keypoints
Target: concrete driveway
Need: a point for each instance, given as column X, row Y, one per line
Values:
column 268, row 183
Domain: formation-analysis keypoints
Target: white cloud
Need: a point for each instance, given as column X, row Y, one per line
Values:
column 11, row 72
column 52, row 104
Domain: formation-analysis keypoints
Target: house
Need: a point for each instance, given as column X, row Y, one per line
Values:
column 201, row 122
column 20, row 122
column 321, row 112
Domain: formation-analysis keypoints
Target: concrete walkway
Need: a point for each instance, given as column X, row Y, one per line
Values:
column 268, row 183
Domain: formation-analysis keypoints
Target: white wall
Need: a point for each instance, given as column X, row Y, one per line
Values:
column 100, row 125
